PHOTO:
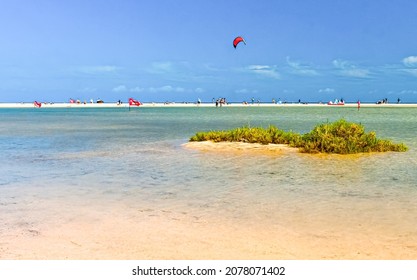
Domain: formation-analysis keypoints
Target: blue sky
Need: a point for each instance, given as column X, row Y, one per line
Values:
column 160, row 50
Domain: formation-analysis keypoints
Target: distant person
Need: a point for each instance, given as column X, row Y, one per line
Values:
column 398, row 101
column 359, row 104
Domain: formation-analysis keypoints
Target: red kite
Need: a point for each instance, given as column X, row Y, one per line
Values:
column 133, row 102
column 237, row 40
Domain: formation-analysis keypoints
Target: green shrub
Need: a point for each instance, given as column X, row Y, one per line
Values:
column 340, row 137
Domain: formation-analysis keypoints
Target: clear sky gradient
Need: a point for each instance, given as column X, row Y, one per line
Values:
column 165, row 50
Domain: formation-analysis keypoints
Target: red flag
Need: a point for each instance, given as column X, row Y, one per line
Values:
column 37, row 104
column 133, row 102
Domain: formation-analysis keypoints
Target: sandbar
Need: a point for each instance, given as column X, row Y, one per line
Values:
column 239, row 147
column 191, row 104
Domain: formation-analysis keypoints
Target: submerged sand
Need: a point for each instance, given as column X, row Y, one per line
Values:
column 166, row 234
column 70, row 228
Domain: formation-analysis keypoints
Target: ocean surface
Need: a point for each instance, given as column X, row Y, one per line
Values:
column 111, row 160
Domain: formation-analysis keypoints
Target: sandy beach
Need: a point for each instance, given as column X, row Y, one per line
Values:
column 190, row 104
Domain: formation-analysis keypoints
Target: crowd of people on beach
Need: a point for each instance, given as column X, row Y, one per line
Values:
column 220, row 102
column 385, row 101
column 73, row 101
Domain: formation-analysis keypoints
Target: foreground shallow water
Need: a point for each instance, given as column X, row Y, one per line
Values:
column 114, row 184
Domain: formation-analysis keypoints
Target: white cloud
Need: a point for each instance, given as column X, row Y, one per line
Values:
column 259, row 67
column 166, row 88
column 210, row 67
column 161, row 67
column 265, row 70
column 120, row 88
column 243, row 90
column 326, row 90
column 350, row 70
column 299, row 69
column 341, row 64
column 98, row 69
column 411, row 71
column 356, row 73
column 136, row 89
column 123, row 88
column 408, row 92
column 169, row 88
column 246, row 91
column 88, row 89
column 410, row 61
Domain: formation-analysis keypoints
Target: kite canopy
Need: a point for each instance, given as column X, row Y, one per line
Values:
column 237, row 40
column 133, row 102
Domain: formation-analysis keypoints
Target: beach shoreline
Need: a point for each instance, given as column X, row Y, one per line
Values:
column 190, row 104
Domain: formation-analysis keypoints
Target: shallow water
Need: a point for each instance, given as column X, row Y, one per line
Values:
column 69, row 169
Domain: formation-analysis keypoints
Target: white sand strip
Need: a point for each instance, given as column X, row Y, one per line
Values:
column 173, row 104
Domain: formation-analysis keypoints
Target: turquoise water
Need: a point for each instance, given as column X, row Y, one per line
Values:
column 105, row 158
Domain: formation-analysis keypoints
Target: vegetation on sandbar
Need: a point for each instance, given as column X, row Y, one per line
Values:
column 339, row 137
